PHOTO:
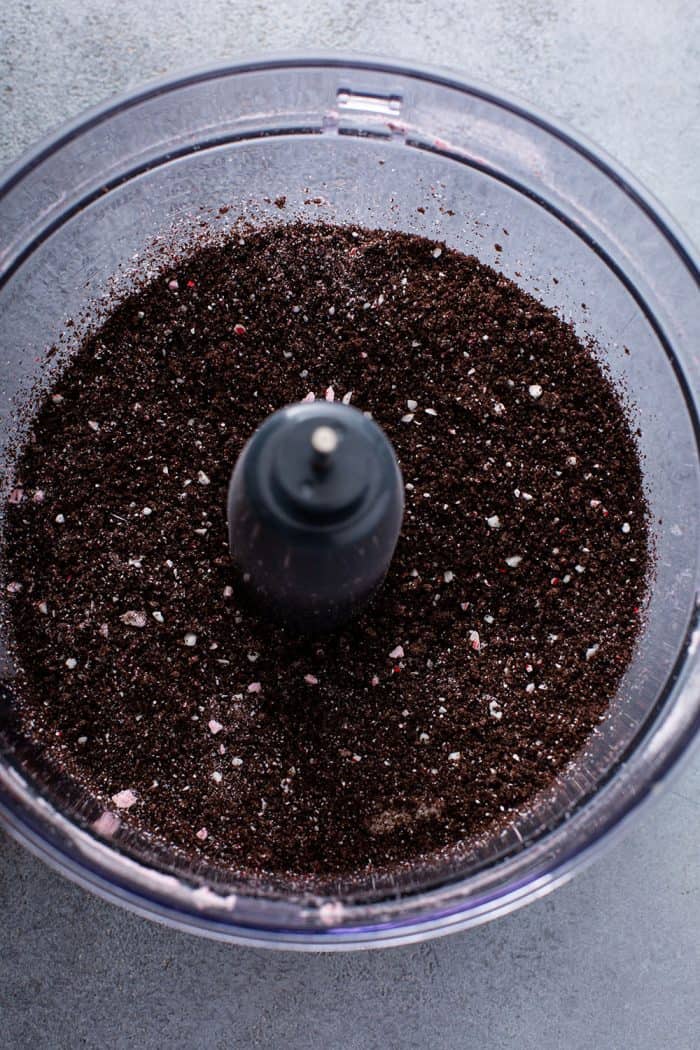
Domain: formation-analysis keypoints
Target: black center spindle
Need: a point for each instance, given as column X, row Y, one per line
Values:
column 314, row 511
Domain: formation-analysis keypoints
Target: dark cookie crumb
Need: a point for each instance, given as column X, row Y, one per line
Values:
column 509, row 615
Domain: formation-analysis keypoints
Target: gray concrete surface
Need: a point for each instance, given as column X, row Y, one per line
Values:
column 610, row 961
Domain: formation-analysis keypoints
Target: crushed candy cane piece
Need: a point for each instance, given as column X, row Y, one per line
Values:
column 495, row 710
column 125, row 799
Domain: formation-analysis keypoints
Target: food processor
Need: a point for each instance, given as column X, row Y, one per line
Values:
column 384, row 145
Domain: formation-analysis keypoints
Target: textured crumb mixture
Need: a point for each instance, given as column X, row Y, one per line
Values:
column 490, row 655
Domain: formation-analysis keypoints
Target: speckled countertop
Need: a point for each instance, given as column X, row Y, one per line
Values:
column 611, row 960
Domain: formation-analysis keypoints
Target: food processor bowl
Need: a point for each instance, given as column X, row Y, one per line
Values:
column 393, row 147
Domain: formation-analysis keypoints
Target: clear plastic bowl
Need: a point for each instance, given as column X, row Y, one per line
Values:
column 82, row 207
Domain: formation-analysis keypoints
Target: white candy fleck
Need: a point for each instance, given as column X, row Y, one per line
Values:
column 430, row 412
column 202, row 478
column 494, row 522
column 190, row 639
column 347, row 398
column 236, row 761
column 71, row 662
column 331, row 913
column 436, row 253
column 146, row 511
column 411, row 405
column 454, row 756
column 59, row 519
column 93, row 424
column 217, row 776
column 134, row 618
column 530, row 687
column 626, row 527
column 408, row 418
column 125, row 799
column 448, row 576
column 495, row 710
column 592, row 650
column 535, row 391
column 158, row 616
column 514, row 561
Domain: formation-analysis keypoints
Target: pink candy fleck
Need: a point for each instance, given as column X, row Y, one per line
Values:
column 38, row 496
column 309, row 398
column 397, row 653
column 239, row 329
column 330, row 394
column 311, row 679
column 106, row 824
column 202, row 834
column 125, row 799
column 16, row 496
column 254, row 687
column 215, row 727
column 375, row 680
